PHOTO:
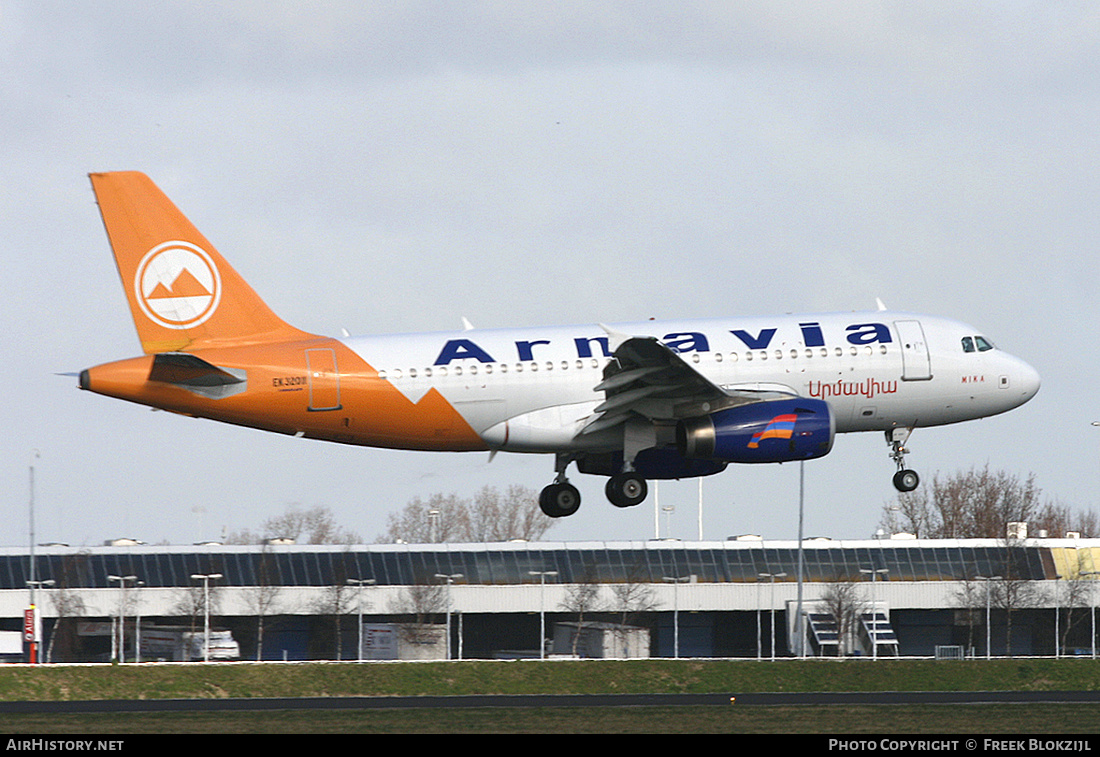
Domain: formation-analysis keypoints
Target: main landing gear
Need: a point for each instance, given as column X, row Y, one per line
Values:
column 561, row 498
column 626, row 489
column 905, row 480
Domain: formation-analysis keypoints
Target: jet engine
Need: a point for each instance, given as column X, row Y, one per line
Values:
column 776, row 431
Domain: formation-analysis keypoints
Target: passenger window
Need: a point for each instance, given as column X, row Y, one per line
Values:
column 968, row 344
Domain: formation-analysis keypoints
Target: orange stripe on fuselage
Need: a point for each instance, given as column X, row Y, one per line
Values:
column 367, row 410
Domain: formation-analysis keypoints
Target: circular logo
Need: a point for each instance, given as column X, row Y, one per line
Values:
column 177, row 285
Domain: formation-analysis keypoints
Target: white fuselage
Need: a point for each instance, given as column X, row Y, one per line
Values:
column 533, row 389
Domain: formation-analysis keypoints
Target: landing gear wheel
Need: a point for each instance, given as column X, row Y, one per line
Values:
column 626, row 489
column 906, row 480
column 559, row 500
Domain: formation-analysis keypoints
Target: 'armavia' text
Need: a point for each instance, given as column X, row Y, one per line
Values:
column 688, row 341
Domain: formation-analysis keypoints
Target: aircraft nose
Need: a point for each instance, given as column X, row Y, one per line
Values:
column 1024, row 380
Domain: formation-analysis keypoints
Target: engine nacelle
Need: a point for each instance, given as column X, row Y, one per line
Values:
column 762, row 432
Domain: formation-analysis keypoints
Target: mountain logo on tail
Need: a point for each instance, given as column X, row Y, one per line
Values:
column 178, row 285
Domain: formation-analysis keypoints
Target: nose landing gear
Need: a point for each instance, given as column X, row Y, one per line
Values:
column 905, row 480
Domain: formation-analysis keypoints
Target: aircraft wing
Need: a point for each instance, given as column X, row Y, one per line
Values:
column 648, row 379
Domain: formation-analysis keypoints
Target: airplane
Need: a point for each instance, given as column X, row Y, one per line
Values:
column 633, row 402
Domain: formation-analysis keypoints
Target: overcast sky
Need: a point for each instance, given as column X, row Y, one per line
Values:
column 396, row 166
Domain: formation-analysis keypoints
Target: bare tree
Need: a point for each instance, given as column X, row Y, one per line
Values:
column 1072, row 593
column 1014, row 590
column 630, row 600
column 1057, row 519
column 263, row 594
column 337, row 600
column 970, row 601
column 844, row 602
column 491, row 515
column 439, row 519
column 314, row 525
column 191, row 604
column 582, row 599
column 422, row 601
column 979, row 503
column 69, row 606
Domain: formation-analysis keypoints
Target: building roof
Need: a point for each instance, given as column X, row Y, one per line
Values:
column 510, row 563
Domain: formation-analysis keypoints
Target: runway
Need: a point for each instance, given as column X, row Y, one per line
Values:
column 733, row 699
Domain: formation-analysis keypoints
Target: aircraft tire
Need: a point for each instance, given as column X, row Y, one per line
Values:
column 626, row 490
column 906, row 480
column 559, row 500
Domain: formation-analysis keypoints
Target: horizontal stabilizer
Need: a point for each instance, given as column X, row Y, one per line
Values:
column 190, row 371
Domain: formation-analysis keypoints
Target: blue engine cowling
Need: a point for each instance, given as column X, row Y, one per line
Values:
column 762, row 432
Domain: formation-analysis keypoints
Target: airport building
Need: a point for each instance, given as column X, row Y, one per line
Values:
column 736, row 598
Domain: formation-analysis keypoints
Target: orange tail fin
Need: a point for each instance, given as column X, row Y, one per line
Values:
column 182, row 293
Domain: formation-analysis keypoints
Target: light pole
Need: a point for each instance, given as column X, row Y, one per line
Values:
column 874, row 608
column 771, row 603
column 1092, row 605
column 206, row 578
column 676, row 611
column 359, row 583
column 800, row 631
column 987, row 580
column 450, row 579
column 31, row 617
column 121, row 613
column 542, row 574
column 137, row 621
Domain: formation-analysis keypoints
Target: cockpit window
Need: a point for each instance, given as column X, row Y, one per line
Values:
column 976, row 344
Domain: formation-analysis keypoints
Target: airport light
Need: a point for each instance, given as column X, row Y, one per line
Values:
column 988, row 602
column 676, row 611
column 542, row 574
column 450, row 578
column 121, row 657
column 771, row 602
column 874, row 608
column 206, row 578
column 359, row 583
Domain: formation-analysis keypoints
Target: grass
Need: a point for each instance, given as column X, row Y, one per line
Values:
column 243, row 680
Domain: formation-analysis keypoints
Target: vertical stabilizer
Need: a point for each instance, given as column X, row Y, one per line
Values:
column 182, row 293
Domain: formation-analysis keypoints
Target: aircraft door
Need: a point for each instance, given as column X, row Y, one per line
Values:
column 324, row 379
column 915, row 361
